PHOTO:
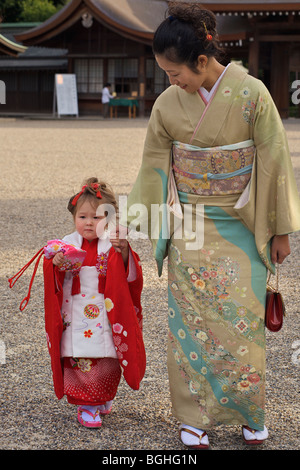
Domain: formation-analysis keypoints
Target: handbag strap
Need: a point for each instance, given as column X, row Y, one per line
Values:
column 277, row 279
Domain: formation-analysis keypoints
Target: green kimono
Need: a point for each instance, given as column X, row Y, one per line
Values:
column 223, row 168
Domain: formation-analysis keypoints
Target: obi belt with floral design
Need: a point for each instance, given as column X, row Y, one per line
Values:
column 213, row 171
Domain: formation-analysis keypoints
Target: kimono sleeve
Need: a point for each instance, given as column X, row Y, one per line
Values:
column 149, row 194
column 123, row 306
column 272, row 207
column 53, row 281
column 136, row 286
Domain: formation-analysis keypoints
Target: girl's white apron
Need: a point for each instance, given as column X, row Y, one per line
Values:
column 87, row 330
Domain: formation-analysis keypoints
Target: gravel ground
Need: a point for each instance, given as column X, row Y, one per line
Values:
column 43, row 162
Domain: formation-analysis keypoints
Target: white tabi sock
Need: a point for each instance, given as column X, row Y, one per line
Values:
column 190, row 440
column 106, row 407
column 87, row 417
column 258, row 435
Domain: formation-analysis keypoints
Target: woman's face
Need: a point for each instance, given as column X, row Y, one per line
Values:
column 181, row 75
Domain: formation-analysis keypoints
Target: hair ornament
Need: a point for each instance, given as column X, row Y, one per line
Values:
column 208, row 36
column 94, row 186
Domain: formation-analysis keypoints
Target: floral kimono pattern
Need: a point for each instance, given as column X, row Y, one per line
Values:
column 230, row 166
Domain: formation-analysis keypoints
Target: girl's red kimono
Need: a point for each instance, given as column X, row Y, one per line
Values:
column 93, row 321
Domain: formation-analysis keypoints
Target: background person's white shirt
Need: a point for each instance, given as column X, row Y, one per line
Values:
column 106, row 96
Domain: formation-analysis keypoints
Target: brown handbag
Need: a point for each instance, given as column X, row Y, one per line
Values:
column 275, row 308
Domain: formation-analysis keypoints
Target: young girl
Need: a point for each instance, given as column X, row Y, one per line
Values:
column 93, row 315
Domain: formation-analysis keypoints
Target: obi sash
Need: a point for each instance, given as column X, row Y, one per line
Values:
column 220, row 170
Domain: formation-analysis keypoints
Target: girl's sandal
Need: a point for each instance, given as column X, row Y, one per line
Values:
column 94, row 423
column 106, row 408
column 199, row 436
column 254, row 441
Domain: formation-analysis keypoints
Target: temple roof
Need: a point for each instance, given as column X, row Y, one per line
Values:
column 138, row 19
column 8, row 47
column 257, row 3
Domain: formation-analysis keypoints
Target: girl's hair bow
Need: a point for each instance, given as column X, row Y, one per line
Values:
column 94, row 186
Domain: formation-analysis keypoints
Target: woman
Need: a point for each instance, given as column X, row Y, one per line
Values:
column 218, row 130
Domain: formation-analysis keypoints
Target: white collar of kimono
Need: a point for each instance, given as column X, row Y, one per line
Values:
column 103, row 242
column 208, row 94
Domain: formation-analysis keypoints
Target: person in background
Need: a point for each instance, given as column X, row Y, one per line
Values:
column 106, row 97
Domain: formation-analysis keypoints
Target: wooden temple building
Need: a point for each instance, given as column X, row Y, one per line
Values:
column 110, row 41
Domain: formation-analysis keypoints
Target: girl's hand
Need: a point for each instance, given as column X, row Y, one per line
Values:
column 120, row 245
column 280, row 248
column 58, row 259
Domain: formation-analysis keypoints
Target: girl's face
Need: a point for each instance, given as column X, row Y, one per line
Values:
column 181, row 75
column 86, row 221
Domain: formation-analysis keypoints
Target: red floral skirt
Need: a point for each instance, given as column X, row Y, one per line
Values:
column 91, row 381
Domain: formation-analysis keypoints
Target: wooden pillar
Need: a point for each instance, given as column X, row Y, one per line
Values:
column 280, row 68
column 105, row 72
column 253, row 55
column 142, row 84
column 70, row 65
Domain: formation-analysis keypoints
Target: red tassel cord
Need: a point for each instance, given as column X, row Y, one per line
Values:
column 17, row 276
column 101, row 283
column 76, row 284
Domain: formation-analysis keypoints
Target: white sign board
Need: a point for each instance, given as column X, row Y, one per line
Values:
column 2, row 94
column 65, row 94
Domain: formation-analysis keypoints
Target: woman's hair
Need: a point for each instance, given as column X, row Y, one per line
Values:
column 96, row 192
column 189, row 31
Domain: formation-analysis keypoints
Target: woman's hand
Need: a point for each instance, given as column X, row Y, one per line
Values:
column 280, row 248
column 58, row 259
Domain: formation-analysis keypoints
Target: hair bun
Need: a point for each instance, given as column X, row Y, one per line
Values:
column 202, row 20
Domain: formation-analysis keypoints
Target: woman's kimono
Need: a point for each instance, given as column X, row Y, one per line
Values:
column 220, row 174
